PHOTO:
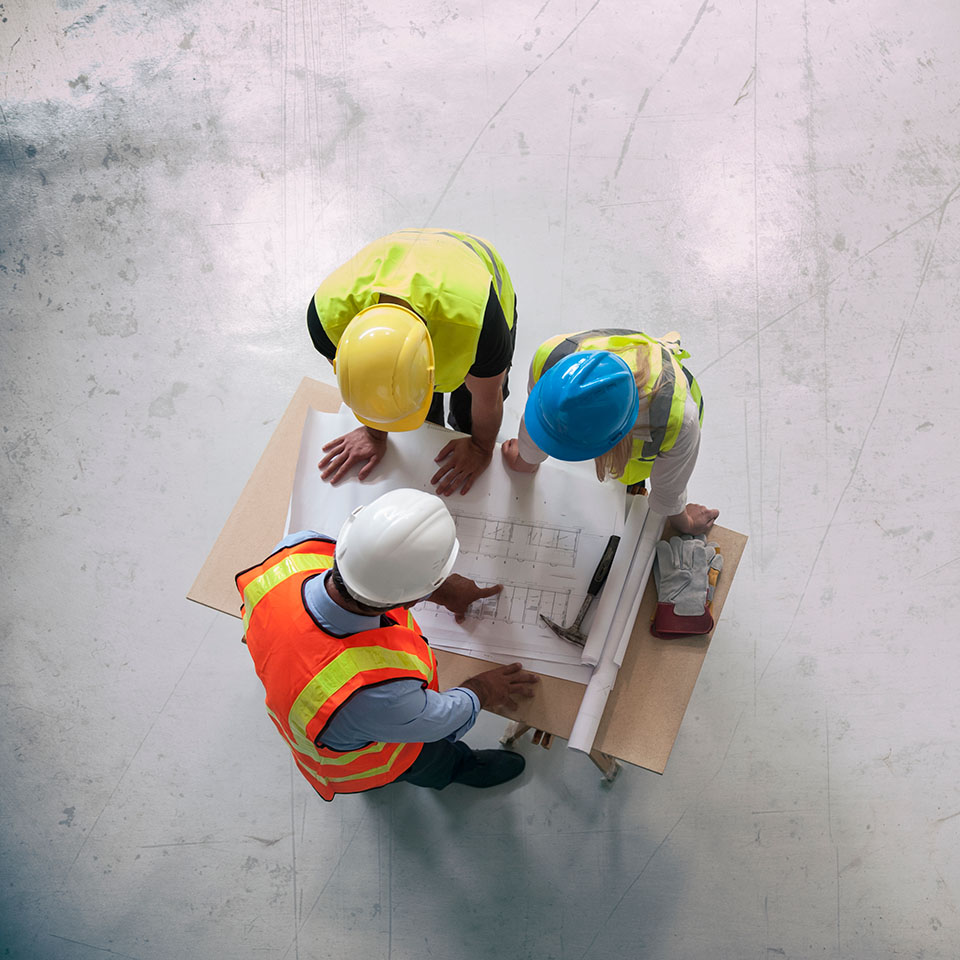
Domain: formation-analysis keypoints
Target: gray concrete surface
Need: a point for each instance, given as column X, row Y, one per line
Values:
column 778, row 181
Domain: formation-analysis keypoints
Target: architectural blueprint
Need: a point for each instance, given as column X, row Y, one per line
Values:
column 517, row 539
column 540, row 535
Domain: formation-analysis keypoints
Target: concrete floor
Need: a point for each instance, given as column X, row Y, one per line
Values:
column 778, row 181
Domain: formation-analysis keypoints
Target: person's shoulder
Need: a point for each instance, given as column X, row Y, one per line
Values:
column 301, row 536
column 401, row 700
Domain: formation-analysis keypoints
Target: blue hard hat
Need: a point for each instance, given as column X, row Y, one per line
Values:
column 582, row 406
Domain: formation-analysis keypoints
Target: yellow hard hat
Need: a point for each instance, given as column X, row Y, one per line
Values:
column 385, row 369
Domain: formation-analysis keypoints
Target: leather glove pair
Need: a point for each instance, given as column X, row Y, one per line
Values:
column 685, row 572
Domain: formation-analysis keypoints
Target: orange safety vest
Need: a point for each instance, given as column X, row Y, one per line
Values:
column 308, row 674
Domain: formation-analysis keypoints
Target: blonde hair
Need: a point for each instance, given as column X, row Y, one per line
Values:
column 615, row 460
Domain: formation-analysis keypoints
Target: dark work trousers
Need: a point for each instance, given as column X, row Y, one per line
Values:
column 460, row 416
column 439, row 764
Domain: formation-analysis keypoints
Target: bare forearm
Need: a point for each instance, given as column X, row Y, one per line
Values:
column 487, row 418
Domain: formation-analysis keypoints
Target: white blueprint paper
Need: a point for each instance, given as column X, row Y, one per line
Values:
column 540, row 535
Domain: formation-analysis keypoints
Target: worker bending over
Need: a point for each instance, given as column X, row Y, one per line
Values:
column 351, row 683
column 624, row 400
column 414, row 315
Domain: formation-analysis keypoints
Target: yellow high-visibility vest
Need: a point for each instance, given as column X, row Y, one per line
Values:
column 667, row 373
column 444, row 275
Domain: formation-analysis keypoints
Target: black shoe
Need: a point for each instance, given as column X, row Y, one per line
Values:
column 491, row 767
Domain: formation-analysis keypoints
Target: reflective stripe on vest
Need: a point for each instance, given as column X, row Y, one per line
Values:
column 341, row 670
column 257, row 589
column 666, row 407
column 308, row 678
column 428, row 269
column 303, row 747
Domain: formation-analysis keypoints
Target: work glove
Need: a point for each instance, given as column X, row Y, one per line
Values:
column 685, row 573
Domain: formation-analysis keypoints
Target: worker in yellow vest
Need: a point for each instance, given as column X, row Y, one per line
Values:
column 414, row 315
column 624, row 400
column 351, row 683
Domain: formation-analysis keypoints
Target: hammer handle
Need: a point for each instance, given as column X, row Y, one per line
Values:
column 603, row 567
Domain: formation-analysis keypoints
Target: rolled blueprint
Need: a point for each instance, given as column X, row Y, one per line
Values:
column 591, row 707
column 636, row 584
column 613, row 588
column 618, row 634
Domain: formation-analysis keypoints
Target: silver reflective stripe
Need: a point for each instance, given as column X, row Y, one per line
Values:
column 660, row 407
column 493, row 259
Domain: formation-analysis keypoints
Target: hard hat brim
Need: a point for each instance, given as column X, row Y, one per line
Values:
column 571, row 452
column 409, row 422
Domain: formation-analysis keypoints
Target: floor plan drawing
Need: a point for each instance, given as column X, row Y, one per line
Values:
column 517, row 540
column 541, row 536
column 520, row 604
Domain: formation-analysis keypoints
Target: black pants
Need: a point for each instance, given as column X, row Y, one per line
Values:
column 460, row 416
column 439, row 764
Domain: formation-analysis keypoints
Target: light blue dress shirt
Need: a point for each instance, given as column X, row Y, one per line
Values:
column 400, row 711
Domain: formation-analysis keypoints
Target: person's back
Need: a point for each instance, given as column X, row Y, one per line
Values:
column 455, row 286
column 351, row 683
column 625, row 400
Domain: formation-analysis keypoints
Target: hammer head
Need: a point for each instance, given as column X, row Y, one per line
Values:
column 565, row 633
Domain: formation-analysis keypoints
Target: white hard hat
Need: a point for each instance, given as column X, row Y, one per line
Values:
column 399, row 548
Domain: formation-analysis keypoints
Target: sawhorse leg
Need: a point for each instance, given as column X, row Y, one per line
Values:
column 517, row 728
column 609, row 766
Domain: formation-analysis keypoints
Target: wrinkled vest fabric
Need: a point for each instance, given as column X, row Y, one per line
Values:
column 667, row 374
column 308, row 674
column 444, row 275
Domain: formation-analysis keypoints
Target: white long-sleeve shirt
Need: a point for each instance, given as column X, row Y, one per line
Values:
column 671, row 470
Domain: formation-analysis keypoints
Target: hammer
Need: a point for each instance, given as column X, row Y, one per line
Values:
column 573, row 633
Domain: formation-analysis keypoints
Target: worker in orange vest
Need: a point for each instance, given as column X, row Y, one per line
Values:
column 351, row 683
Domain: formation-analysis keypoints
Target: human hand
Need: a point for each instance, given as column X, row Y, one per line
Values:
column 464, row 460
column 511, row 457
column 695, row 519
column 498, row 687
column 362, row 445
column 456, row 593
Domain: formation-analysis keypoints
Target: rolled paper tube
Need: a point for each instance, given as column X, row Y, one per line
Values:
column 605, row 672
column 652, row 531
column 613, row 588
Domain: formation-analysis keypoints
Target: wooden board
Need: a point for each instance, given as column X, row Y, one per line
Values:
column 655, row 683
